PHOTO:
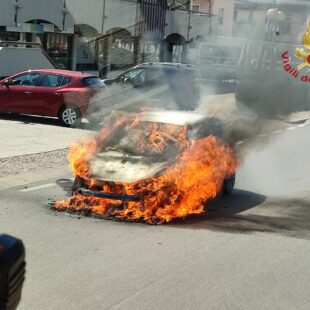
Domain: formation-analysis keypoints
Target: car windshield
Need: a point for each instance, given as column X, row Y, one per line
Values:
column 93, row 82
column 133, row 73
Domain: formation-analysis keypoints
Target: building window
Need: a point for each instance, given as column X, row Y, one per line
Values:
column 221, row 16
column 179, row 4
column 196, row 8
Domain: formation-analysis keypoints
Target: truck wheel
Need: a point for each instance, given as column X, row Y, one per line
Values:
column 229, row 184
column 70, row 116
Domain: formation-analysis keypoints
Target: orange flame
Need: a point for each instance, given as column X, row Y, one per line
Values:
column 196, row 176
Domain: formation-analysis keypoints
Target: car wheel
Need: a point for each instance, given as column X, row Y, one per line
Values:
column 229, row 185
column 70, row 116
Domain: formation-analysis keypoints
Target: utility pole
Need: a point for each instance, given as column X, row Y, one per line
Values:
column 189, row 27
column 17, row 7
column 103, row 15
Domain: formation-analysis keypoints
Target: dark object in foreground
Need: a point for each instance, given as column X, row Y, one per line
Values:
column 12, row 271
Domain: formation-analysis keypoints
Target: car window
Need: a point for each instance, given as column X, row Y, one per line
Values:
column 52, row 80
column 26, row 79
column 66, row 80
column 133, row 73
column 136, row 76
column 155, row 74
column 181, row 75
column 93, row 82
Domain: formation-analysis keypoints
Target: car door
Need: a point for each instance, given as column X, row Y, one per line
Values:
column 17, row 96
column 47, row 96
column 157, row 88
column 135, row 77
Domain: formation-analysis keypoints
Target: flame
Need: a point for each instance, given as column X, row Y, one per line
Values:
column 306, row 38
column 301, row 54
column 196, row 176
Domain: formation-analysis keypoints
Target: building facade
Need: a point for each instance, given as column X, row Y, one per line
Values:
column 223, row 10
column 100, row 35
column 251, row 20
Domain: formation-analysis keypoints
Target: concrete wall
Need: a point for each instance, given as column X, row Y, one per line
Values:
column 51, row 11
column 7, row 13
column 121, row 14
column 118, row 13
column 86, row 12
column 47, row 10
column 203, row 5
column 226, row 29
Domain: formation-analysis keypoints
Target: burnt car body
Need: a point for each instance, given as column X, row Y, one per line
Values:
column 121, row 162
column 175, row 83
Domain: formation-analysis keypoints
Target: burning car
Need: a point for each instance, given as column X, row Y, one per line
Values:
column 153, row 166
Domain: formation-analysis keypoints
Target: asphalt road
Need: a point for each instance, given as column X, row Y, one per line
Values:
column 250, row 251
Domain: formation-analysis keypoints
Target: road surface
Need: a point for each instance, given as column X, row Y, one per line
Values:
column 250, row 250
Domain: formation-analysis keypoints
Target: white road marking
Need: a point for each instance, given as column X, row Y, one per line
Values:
column 277, row 131
column 30, row 189
column 291, row 128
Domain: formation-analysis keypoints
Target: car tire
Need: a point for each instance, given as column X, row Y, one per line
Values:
column 229, row 185
column 70, row 116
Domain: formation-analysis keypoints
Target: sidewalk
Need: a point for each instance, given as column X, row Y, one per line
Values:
column 23, row 138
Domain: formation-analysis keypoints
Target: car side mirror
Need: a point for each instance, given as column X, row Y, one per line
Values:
column 6, row 83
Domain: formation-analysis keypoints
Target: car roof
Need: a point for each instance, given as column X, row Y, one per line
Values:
column 165, row 65
column 69, row 73
column 173, row 117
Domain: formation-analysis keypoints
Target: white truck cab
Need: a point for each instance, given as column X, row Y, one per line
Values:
column 21, row 56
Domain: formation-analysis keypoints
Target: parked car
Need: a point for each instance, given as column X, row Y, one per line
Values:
column 163, row 82
column 51, row 92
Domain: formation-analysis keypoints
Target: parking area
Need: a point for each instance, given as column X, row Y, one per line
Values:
column 24, row 135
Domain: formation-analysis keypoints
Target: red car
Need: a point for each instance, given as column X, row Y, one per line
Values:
column 51, row 92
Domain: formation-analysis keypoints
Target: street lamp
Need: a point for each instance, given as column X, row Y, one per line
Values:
column 17, row 7
column 65, row 12
column 274, row 17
